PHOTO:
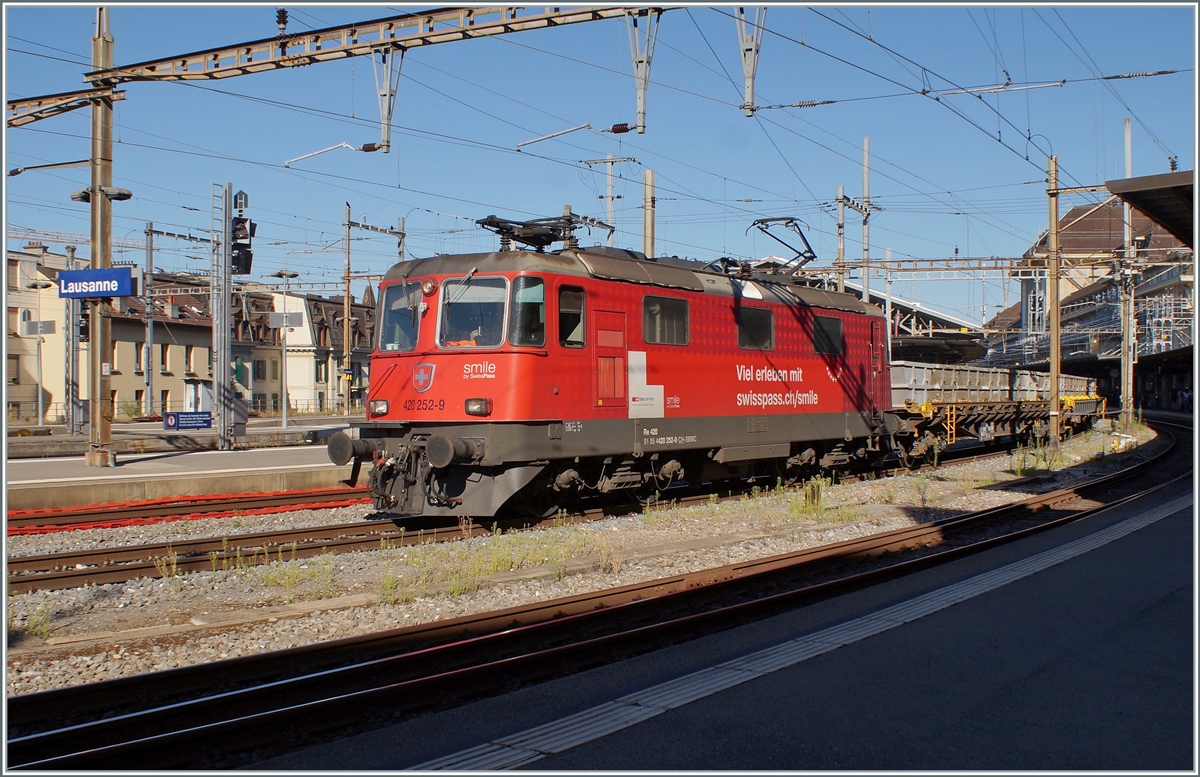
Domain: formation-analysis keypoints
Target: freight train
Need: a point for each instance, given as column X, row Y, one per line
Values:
column 519, row 381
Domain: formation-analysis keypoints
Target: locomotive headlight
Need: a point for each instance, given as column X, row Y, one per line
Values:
column 378, row 407
column 428, row 287
column 479, row 406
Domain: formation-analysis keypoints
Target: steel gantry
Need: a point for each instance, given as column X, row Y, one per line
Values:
column 386, row 37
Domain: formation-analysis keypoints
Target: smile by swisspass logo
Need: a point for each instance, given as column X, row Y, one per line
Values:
column 423, row 376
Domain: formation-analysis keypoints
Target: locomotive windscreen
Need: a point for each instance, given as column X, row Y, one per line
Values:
column 473, row 312
column 399, row 317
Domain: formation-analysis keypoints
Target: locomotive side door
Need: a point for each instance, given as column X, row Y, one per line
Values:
column 878, row 347
column 611, row 356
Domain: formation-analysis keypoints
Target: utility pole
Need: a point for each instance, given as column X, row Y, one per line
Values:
column 74, row 409
column 887, row 305
column 347, row 373
column 866, row 214
column 609, row 196
column 100, row 453
column 864, row 208
column 1052, row 303
column 220, row 285
column 148, row 356
column 1125, row 288
column 648, row 214
column 841, row 236
column 284, row 324
column 347, row 349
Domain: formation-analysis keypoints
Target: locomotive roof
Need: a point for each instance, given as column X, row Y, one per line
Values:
column 633, row 267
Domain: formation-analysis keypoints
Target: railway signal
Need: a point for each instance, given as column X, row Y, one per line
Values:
column 241, row 232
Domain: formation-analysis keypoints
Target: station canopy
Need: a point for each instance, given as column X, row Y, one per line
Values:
column 1165, row 198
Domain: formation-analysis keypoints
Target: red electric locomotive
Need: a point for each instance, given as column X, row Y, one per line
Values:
column 518, row 381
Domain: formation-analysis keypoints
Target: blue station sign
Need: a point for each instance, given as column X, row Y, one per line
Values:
column 112, row 282
column 182, row 421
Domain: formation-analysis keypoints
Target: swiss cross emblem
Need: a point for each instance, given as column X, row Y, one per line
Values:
column 423, row 376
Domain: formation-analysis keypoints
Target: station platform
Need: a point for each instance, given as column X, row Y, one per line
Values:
column 39, row 484
column 51, row 441
column 1069, row 650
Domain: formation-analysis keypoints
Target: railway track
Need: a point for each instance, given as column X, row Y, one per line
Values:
column 107, row 516
column 121, row 564
column 175, row 508
column 230, row 712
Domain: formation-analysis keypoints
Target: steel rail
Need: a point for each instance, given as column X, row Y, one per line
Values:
column 173, row 507
column 56, row 571
column 410, row 668
column 182, row 505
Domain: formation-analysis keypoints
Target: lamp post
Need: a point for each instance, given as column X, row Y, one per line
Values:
column 287, row 275
column 37, row 286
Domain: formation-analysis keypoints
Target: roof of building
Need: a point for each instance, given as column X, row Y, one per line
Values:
column 1090, row 231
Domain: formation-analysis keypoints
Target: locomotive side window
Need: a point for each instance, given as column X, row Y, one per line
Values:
column 399, row 317
column 527, row 321
column 570, row 317
column 665, row 320
column 756, row 329
column 827, row 335
column 472, row 312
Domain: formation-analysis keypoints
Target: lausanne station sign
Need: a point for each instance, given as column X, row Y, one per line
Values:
column 83, row 284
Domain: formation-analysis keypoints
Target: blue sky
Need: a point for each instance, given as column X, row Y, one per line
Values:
column 949, row 174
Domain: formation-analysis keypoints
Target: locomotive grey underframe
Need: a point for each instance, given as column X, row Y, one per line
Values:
column 517, row 452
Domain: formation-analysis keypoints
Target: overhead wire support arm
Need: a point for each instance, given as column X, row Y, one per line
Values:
column 641, row 47
column 31, row 109
column 405, row 31
column 750, row 40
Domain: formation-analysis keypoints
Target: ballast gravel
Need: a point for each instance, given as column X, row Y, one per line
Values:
column 82, row 635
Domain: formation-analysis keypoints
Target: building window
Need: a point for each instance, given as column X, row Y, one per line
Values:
column 321, row 373
column 320, row 400
column 164, row 401
column 139, row 357
column 14, row 274
column 14, row 322
column 260, row 369
column 274, row 401
column 756, row 329
column 274, row 369
column 189, row 358
column 14, row 370
column 827, row 335
column 164, row 360
column 260, row 402
column 665, row 320
column 139, row 397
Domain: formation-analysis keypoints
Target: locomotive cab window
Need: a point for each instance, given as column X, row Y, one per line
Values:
column 472, row 312
column 756, row 328
column 827, row 335
column 665, row 320
column 399, row 317
column 527, row 319
column 570, row 317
